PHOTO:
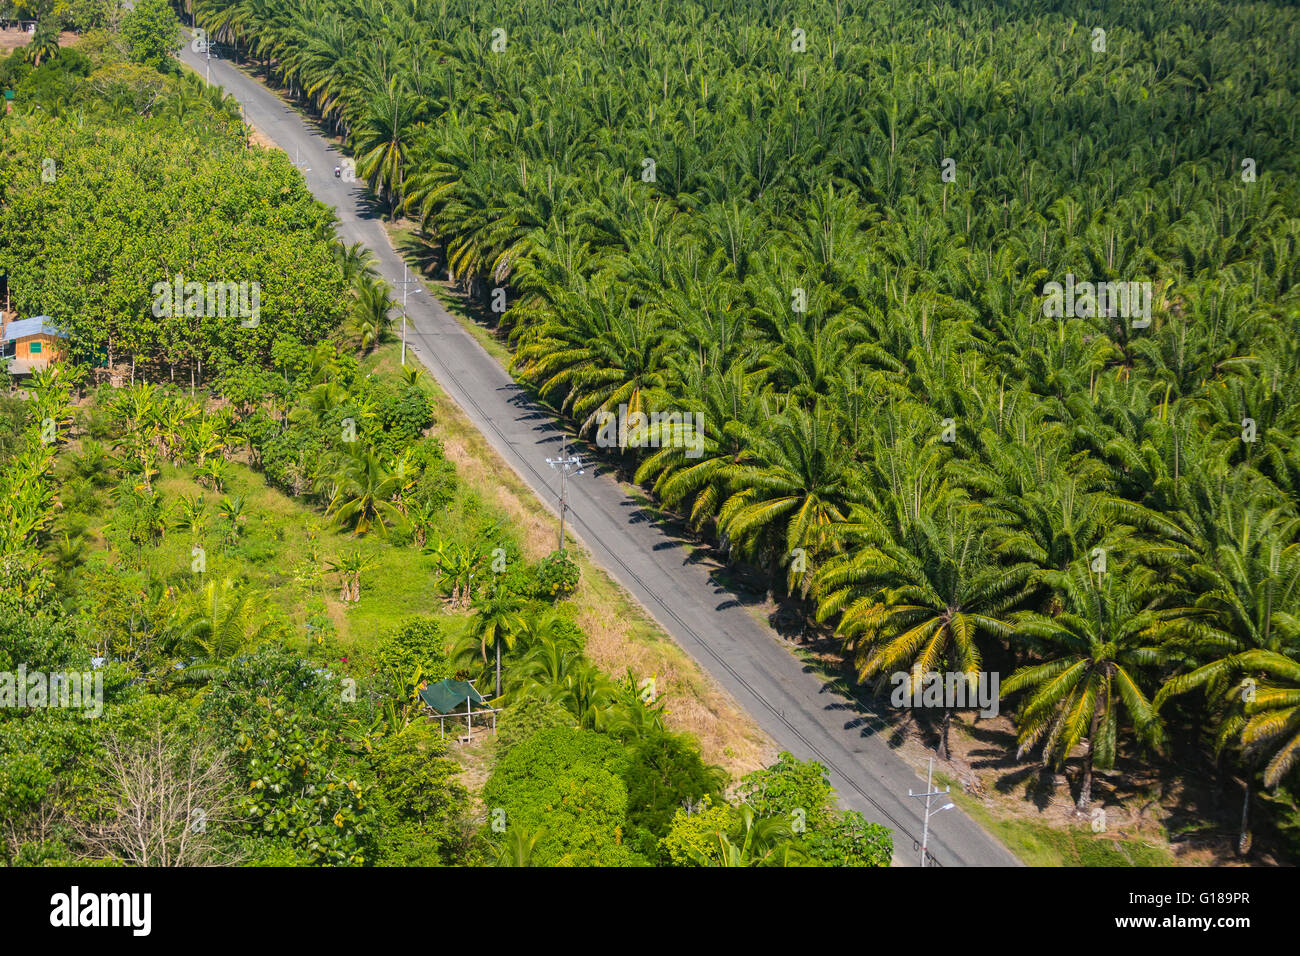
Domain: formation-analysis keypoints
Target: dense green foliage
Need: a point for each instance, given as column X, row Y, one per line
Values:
column 783, row 815
column 565, row 782
column 277, row 757
column 93, row 215
column 830, row 229
column 152, row 34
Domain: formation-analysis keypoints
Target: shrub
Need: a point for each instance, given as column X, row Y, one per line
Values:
column 566, row 785
column 529, row 716
column 401, row 413
column 417, row 642
column 152, row 34
column 789, row 785
column 288, row 458
column 851, row 841
column 421, row 806
column 692, row 838
column 665, row 772
column 557, row 576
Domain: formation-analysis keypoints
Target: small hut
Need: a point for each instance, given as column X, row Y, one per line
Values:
column 30, row 344
column 456, row 698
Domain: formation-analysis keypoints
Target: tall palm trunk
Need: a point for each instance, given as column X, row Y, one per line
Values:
column 1244, row 837
column 942, row 749
column 1085, row 787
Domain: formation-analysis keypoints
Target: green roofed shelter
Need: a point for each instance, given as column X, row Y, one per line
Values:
column 447, row 698
column 446, row 695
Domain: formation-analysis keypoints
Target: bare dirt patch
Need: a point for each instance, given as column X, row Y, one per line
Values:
column 12, row 38
column 257, row 138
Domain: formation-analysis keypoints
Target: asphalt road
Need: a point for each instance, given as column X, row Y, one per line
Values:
column 795, row 707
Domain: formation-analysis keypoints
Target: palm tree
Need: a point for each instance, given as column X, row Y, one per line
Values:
column 558, row 671
column 92, row 462
column 629, row 715
column 1258, row 693
column 599, row 356
column 736, row 406
column 349, row 566
column 518, row 847
column 370, row 312
column 800, row 481
column 1094, row 653
column 756, row 841
column 1247, row 582
column 497, row 619
column 918, row 599
column 214, row 624
column 1272, row 725
column 45, row 41
column 383, row 138
column 365, row 491
column 356, row 262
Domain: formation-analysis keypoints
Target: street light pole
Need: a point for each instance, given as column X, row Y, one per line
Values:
column 406, row 288
column 564, row 464
column 929, row 793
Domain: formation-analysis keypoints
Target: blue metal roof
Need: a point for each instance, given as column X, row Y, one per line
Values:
column 36, row 325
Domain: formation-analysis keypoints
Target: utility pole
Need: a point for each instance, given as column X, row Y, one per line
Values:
column 929, row 793
column 406, row 288
column 565, row 465
column 297, row 161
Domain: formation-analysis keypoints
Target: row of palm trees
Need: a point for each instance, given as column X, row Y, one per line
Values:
column 895, row 429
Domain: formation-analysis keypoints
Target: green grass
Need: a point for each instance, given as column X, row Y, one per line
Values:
column 283, row 549
column 1038, row 844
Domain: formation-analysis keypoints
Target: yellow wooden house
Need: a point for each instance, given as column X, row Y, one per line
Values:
column 27, row 345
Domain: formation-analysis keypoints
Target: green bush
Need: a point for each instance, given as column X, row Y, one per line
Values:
column 557, row 576
column 421, row 807
column 692, row 838
column 850, row 841
column 152, row 34
column 402, row 412
column 529, row 716
column 566, row 786
column 788, row 786
column 664, row 772
column 417, row 642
